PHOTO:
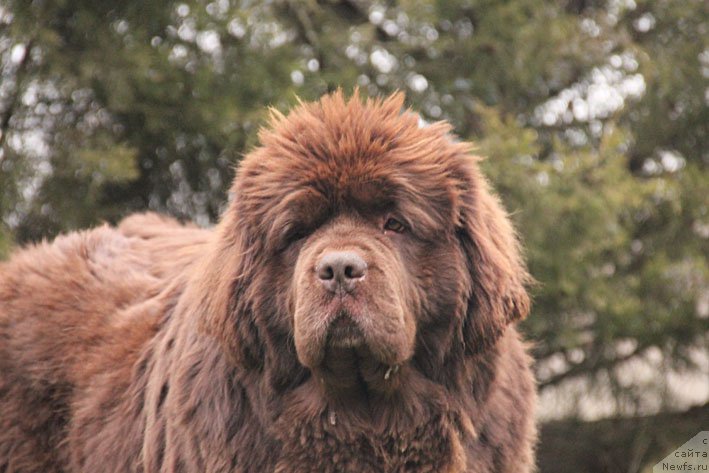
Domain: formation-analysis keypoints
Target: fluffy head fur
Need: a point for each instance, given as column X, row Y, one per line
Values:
column 257, row 359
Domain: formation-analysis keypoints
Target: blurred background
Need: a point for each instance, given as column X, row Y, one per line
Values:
column 593, row 115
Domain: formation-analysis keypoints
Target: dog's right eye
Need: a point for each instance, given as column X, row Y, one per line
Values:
column 292, row 236
column 296, row 235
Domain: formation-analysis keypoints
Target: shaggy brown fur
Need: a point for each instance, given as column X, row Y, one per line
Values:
column 154, row 347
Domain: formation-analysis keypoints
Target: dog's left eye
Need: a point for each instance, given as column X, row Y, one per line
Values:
column 393, row 225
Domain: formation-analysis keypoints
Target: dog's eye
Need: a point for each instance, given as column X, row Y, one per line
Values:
column 393, row 225
column 296, row 235
column 290, row 237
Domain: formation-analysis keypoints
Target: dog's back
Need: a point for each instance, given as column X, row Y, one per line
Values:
column 63, row 306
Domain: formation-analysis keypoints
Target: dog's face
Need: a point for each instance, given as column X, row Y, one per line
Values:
column 367, row 240
column 367, row 275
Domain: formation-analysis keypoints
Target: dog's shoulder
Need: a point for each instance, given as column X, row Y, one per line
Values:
column 171, row 247
column 102, row 268
column 75, row 258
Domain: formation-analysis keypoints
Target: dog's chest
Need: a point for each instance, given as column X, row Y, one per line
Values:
column 432, row 447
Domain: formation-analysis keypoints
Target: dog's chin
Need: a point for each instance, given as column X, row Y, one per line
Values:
column 350, row 364
column 344, row 332
column 342, row 342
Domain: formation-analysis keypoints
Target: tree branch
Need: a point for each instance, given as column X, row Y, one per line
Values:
column 7, row 114
column 592, row 365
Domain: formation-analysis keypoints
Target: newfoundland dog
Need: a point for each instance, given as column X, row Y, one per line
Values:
column 352, row 311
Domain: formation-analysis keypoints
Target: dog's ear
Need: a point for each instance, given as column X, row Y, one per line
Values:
column 220, row 293
column 234, row 308
column 497, row 294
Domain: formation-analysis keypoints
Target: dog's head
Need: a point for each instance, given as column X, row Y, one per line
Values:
column 358, row 240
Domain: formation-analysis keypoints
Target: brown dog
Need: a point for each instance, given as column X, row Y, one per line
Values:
column 350, row 313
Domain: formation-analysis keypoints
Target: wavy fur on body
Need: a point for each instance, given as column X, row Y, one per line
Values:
column 155, row 347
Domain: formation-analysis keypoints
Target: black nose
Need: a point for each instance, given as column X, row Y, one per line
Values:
column 341, row 270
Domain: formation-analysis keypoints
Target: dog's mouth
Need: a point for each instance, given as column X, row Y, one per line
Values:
column 344, row 332
column 348, row 342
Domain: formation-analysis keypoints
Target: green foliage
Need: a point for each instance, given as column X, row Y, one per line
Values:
column 116, row 163
column 593, row 116
column 5, row 242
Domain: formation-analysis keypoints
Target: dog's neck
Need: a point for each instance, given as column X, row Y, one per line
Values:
column 324, row 429
column 353, row 375
column 355, row 414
